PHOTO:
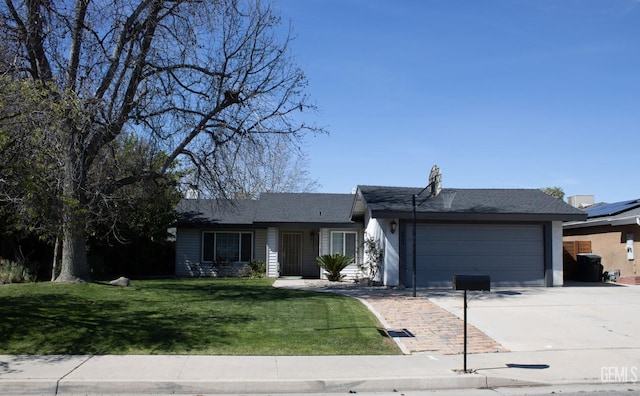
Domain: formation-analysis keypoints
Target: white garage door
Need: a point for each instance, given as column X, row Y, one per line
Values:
column 511, row 254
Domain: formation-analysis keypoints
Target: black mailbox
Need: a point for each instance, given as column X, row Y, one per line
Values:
column 471, row 282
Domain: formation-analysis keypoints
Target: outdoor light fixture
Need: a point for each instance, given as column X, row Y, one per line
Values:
column 394, row 226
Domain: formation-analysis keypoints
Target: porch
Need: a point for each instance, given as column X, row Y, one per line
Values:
column 297, row 252
column 292, row 252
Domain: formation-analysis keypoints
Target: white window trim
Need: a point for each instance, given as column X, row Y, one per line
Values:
column 215, row 242
column 344, row 241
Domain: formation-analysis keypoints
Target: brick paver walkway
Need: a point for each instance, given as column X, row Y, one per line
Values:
column 420, row 325
column 432, row 328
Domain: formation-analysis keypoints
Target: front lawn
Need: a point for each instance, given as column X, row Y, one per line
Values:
column 184, row 316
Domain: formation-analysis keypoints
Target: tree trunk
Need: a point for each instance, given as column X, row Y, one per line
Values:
column 74, row 267
column 54, row 266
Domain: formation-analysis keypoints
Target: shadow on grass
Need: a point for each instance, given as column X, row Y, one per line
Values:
column 233, row 289
column 60, row 323
column 163, row 316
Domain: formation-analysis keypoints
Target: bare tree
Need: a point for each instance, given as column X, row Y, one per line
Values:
column 197, row 79
column 279, row 166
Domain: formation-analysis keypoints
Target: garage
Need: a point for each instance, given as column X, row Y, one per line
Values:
column 512, row 235
column 512, row 254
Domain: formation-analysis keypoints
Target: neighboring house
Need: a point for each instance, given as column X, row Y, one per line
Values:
column 287, row 231
column 515, row 236
column 611, row 231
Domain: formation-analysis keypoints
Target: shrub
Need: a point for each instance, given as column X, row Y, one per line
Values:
column 258, row 269
column 333, row 265
column 375, row 257
column 11, row 272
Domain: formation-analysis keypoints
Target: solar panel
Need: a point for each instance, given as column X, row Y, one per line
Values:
column 612, row 208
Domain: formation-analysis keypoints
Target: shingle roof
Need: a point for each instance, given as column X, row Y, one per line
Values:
column 304, row 208
column 270, row 208
column 207, row 211
column 390, row 202
column 514, row 203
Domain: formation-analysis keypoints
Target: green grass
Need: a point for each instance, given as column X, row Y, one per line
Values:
column 184, row 316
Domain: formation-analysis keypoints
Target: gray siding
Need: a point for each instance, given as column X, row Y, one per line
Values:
column 188, row 250
column 310, row 268
column 260, row 245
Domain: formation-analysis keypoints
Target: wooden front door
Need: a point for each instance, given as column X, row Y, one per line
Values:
column 291, row 254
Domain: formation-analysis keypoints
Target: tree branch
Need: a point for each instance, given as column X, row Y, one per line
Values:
column 76, row 42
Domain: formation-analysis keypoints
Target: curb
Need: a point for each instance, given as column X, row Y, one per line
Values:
column 463, row 381
column 28, row 387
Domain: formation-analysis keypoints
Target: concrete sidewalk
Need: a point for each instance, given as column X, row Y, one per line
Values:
column 144, row 374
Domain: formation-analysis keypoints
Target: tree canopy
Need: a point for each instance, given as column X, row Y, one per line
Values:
column 198, row 83
column 556, row 192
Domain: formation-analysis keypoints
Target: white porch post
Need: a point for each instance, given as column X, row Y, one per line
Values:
column 324, row 248
column 272, row 253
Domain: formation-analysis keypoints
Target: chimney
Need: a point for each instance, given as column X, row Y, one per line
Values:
column 581, row 201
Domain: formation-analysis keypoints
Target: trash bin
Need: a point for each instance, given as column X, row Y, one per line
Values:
column 589, row 268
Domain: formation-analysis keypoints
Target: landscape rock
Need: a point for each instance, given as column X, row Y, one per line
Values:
column 121, row 281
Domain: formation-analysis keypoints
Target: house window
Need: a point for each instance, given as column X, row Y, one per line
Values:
column 227, row 247
column 344, row 242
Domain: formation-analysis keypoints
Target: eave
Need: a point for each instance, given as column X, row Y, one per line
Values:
column 477, row 217
column 603, row 221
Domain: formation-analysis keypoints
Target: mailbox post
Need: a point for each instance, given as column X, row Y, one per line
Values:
column 470, row 282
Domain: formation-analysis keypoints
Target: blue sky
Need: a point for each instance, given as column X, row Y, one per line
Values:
column 497, row 93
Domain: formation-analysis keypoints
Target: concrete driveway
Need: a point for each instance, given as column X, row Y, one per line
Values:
column 577, row 316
